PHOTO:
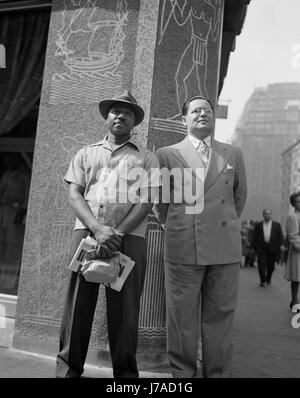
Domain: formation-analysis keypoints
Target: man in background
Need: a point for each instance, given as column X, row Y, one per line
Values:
column 267, row 242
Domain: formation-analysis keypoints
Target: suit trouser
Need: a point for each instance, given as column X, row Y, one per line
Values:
column 216, row 287
column 266, row 266
column 122, row 316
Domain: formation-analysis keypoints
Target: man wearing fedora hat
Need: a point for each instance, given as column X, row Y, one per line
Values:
column 118, row 226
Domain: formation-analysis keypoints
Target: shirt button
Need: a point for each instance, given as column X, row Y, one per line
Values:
column 224, row 223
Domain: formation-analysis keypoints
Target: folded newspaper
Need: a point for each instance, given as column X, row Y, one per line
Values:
column 81, row 263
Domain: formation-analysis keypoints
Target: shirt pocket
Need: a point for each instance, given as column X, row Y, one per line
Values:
column 130, row 176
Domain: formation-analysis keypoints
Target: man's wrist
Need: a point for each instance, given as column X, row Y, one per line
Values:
column 95, row 227
column 119, row 232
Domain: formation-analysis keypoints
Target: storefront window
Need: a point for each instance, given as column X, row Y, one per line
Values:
column 23, row 34
column 14, row 191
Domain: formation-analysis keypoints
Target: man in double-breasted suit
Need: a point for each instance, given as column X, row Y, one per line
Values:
column 202, row 249
column 267, row 241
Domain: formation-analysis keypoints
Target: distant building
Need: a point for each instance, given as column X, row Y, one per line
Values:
column 290, row 178
column 270, row 123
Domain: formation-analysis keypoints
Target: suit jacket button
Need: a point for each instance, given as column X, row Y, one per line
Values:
column 224, row 223
column 226, row 181
column 223, row 201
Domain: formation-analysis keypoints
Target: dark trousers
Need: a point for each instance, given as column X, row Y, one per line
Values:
column 266, row 265
column 122, row 316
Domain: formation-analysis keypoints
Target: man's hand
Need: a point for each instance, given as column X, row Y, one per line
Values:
column 108, row 239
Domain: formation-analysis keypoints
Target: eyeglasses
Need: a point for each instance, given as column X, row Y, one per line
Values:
column 206, row 111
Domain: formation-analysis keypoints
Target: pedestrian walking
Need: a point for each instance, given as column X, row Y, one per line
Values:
column 244, row 238
column 267, row 242
column 292, row 270
column 250, row 258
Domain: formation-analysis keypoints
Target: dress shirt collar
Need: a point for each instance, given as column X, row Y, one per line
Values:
column 105, row 143
column 267, row 222
column 195, row 141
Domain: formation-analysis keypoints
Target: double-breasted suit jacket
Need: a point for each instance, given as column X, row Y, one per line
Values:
column 211, row 236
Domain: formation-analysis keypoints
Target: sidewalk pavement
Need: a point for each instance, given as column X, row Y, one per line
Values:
column 21, row 364
column 265, row 343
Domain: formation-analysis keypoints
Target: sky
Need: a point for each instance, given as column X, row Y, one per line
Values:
column 267, row 51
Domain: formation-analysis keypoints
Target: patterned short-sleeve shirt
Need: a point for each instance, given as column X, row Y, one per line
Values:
column 114, row 180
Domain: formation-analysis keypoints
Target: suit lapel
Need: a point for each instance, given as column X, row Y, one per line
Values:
column 272, row 230
column 188, row 156
column 219, row 157
column 262, row 231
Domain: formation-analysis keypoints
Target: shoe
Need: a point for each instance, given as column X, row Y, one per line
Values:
column 293, row 307
column 262, row 284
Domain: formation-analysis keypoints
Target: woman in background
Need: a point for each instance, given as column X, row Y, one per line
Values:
column 292, row 270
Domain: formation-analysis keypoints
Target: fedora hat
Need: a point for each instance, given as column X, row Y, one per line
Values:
column 125, row 98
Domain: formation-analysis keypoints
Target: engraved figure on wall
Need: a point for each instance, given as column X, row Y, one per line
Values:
column 91, row 46
column 204, row 18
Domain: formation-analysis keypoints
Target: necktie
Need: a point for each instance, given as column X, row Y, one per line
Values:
column 204, row 151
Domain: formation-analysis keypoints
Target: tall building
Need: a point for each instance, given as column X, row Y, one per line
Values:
column 290, row 178
column 270, row 123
